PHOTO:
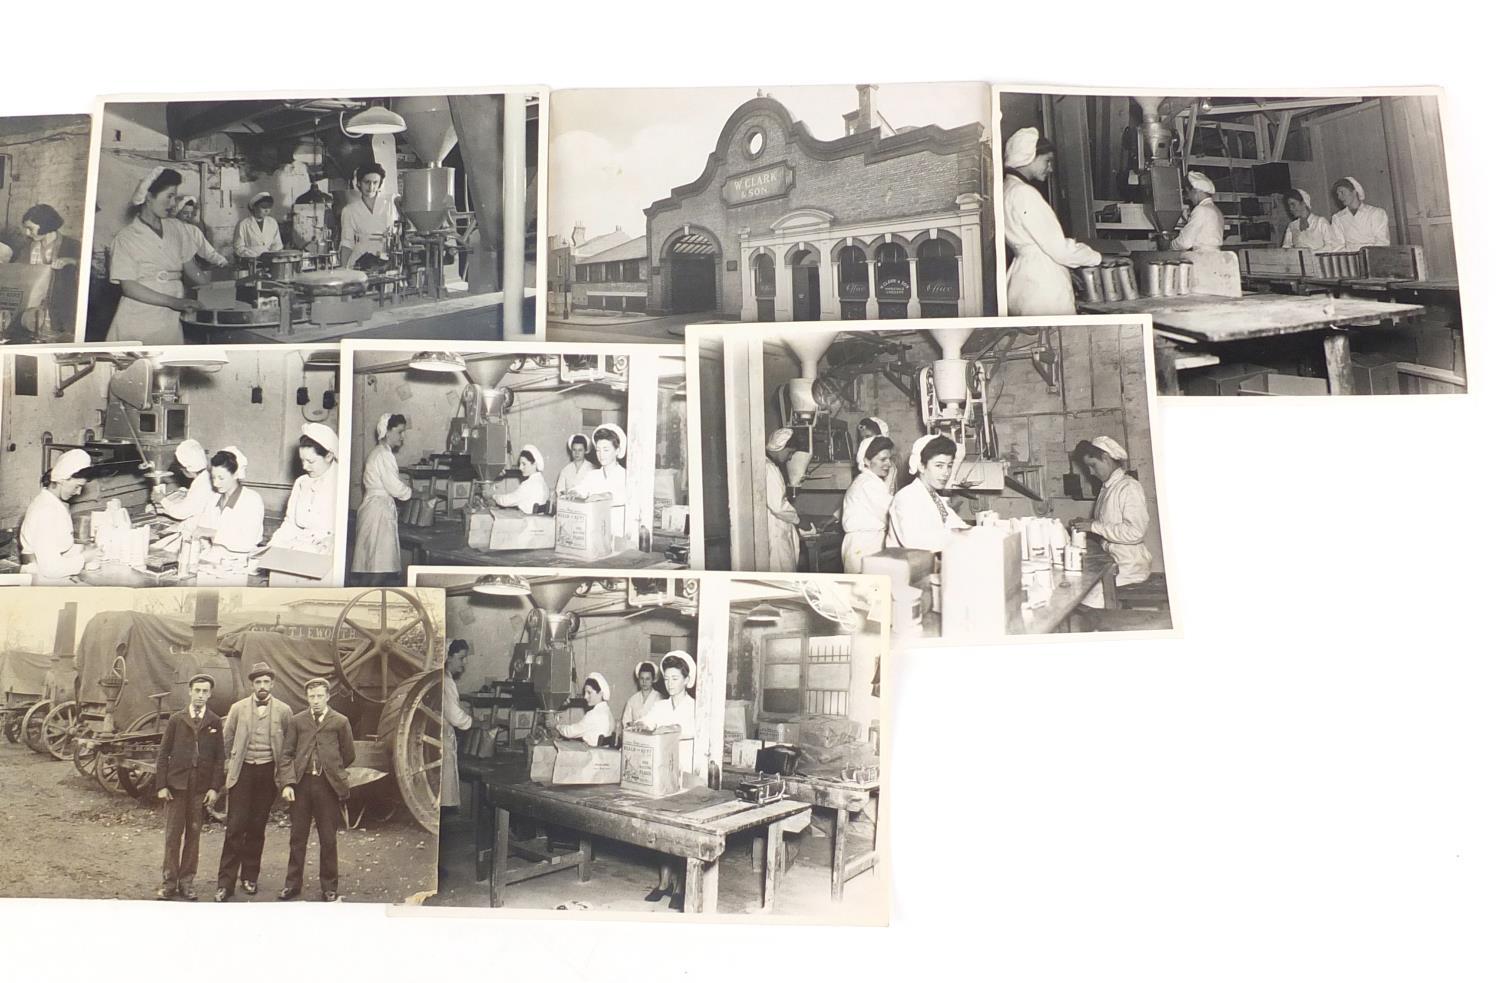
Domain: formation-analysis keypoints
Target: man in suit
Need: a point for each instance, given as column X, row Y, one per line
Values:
column 319, row 747
column 254, row 734
column 189, row 777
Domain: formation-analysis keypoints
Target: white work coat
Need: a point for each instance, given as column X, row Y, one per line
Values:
column 572, row 476
column 919, row 520
column 533, row 491
column 311, row 515
column 1204, row 230
column 597, row 724
column 454, row 716
column 188, row 504
column 253, row 237
column 866, row 513
column 377, row 547
column 785, row 539
column 638, row 706
column 139, row 255
column 609, row 481
column 1121, row 520
column 1370, row 226
column 237, row 519
column 1038, row 281
column 1319, row 236
column 47, row 534
column 683, row 711
column 363, row 229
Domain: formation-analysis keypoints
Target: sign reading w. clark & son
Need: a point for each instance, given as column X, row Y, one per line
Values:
column 758, row 185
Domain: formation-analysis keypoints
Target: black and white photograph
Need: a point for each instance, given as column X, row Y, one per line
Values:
column 189, row 744
column 316, row 217
column 1001, row 472
column 44, row 162
column 1284, row 244
column 699, row 744
column 801, row 203
column 169, row 467
column 524, row 455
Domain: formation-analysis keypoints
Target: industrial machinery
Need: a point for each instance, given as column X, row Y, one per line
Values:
column 822, row 451
column 1156, row 163
column 543, row 659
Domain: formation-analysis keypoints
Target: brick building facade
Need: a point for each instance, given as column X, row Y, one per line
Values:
column 783, row 226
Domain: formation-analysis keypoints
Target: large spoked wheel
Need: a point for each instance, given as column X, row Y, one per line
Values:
column 58, row 729
column 13, row 725
column 85, row 756
column 411, row 726
column 107, row 773
column 31, row 725
column 132, row 776
column 402, row 645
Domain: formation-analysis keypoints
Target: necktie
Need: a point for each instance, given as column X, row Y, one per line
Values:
column 318, row 717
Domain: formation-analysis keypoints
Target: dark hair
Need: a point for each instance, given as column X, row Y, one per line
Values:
column 528, row 456
column 938, row 446
column 869, row 423
column 609, row 435
column 45, row 217
column 878, row 444
column 364, row 170
column 305, row 441
column 1088, row 449
column 676, row 661
column 648, row 667
column 456, row 646
column 396, row 420
column 1044, row 146
column 578, row 440
column 1344, row 182
column 225, row 460
column 594, row 683
column 168, row 178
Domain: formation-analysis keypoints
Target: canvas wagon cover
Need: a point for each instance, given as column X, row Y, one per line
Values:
column 23, row 673
column 156, row 660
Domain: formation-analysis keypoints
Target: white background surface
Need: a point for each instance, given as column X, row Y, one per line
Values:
column 1301, row 788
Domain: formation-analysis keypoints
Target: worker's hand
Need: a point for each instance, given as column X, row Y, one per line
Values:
column 210, row 797
column 288, row 795
column 165, row 795
column 63, row 264
column 186, row 306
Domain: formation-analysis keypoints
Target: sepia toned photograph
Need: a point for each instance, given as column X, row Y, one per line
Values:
column 540, row 455
column 1284, row 244
column 44, row 162
column 314, row 218
column 698, row 744
column 192, row 743
column 669, row 207
column 1002, row 473
column 173, row 466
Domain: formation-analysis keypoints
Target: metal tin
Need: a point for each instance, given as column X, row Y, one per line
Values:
column 1189, row 275
column 1089, row 277
column 1172, row 276
column 1153, row 279
column 1111, row 284
column 1128, row 285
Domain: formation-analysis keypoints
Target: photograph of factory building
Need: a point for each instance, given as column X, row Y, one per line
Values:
column 314, row 218
column 1001, row 472
column 109, row 788
column 526, row 455
column 172, row 466
column 44, row 162
column 701, row 743
column 1287, row 244
column 801, row 204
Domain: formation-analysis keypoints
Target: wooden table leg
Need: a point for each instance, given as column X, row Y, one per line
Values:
column 841, row 819
column 484, row 835
column 1107, row 588
column 757, row 854
column 1340, row 364
column 773, row 865
column 1166, row 367
column 695, row 888
column 586, row 857
column 499, row 858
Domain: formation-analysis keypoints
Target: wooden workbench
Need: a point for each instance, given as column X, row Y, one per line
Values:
column 1070, row 590
column 1204, row 320
column 694, row 824
column 445, row 545
column 846, row 799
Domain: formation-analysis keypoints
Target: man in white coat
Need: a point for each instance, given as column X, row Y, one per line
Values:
column 455, row 718
column 1037, row 281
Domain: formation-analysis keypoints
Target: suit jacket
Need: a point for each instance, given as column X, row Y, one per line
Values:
column 333, row 743
column 237, row 728
column 191, row 758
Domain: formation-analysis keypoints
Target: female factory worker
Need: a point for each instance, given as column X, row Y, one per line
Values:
column 47, row 246
column 1037, row 281
column 1120, row 516
column 456, row 717
column 784, row 522
column 377, row 548
column 365, row 221
column 188, row 504
column 47, row 547
column 147, row 258
column 920, row 518
column 1204, row 229
column 533, row 490
column 578, row 464
column 867, row 503
column 258, row 232
column 1308, row 230
column 1358, row 223
column 238, row 517
column 312, row 509
column 607, row 481
column 598, row 722
column 645, row 695
column 874, row 426
column 680, row 673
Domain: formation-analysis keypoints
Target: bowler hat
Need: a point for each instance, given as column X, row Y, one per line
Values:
column 261, row 669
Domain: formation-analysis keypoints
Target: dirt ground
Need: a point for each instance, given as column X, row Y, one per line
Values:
column 62, row 836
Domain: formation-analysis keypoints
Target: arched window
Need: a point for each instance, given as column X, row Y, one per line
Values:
column 892, row 279
column 937, row 278
column 763, row 269
column 854, row 283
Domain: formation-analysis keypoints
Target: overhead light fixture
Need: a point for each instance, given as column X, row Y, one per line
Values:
column 502, row 585
column 763, row 614
column 372, row 121
column 450, row 362
column 194, row 358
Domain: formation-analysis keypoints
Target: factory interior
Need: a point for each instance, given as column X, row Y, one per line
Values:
column 1369, row 305
column 1018, row 403
column 470, row 417
column 456, row 258
column 780, row 663
column 140, row 516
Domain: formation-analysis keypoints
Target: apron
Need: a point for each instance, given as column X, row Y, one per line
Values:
column 377, row 548
column 857, row 546
column 147, row 323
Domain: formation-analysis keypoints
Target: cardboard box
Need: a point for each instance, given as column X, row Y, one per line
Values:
column 514, row 530
column 541, row 760
column 779, row 732
column 673, row 518
column 300, row 562
column 736, row 720
column 1223, row 379
column 1276, row 384
column 579, row 764
column 742, row 753
column 583, row 530
column 649, row 764
column 519, row 724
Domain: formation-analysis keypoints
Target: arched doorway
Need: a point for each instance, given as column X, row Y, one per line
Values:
column 763, row 275
column 892, row 280
column 937, row 278
column 854, row 282
column 807, row 296
column 691, row 266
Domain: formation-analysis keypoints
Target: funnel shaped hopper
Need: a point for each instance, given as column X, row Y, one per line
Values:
column 426, row 197
column 951, row 342
column 808, row 348
column 553, row 596
column 429, row 126
column 488, row 371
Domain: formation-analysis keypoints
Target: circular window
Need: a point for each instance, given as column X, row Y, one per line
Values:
column 755, row 142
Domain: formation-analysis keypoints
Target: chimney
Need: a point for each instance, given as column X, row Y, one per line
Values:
column 206, row 621
column 578, row 236
column 67, row 631
column 862, row 118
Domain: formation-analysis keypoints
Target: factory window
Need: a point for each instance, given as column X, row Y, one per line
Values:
column 806, row 674
column 755, row 142
column 764, row 271
column 937, row 278
column 854, row 274
column 892, row 279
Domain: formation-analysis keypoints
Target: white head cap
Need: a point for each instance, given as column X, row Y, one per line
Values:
column 1200, row 181
column 191, row 456
column 323, row 435
column 648, row 664
column 143, row 189
column 692, row 673
column 779, row 439
column 881, row 425
column 260, row 197
column 70, row 464
column 601, row 682
column 914, row 460
column 185, row 201
column 382, row 425
column 588, row 444
column 619, row 438
column 536, row 455
column 240, row 459
column 1306, row 198
column 1359, row 189
column 1020, row 149
column 1111, row 447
